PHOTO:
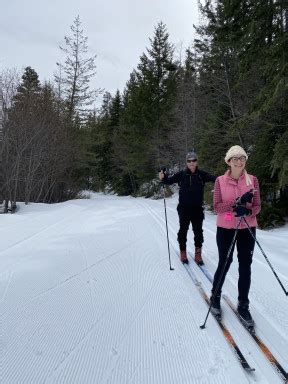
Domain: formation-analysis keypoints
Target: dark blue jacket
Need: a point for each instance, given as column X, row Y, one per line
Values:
column 191, row 192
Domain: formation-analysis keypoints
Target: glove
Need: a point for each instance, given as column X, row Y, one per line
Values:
column 242, row 211
column 245, row 198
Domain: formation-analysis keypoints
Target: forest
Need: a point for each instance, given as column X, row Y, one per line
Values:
column 229, row 87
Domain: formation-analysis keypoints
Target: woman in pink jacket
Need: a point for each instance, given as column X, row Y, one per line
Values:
column 236, row 194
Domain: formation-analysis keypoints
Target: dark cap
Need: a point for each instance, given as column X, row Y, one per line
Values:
column 191, row 156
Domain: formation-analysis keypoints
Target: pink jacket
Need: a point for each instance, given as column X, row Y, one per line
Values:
column 226, row 191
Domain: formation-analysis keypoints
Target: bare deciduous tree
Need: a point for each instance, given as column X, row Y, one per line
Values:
column 9, row 81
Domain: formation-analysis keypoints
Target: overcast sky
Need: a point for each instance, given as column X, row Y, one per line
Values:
column 118, row 32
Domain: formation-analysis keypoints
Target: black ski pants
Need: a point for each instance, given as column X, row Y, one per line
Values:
column 195, row 216
column 245, row 247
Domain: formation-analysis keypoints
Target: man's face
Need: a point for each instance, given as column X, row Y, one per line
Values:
column 191, row 164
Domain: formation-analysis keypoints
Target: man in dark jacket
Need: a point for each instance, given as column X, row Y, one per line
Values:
column 190, row 208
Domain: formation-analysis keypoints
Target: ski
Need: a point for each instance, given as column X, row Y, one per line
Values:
column 239, row 355
column 277, row 366
column 251, row 330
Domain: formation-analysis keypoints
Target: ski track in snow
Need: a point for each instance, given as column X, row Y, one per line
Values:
column 112, row 371
column 89, row 298
column 5, row 280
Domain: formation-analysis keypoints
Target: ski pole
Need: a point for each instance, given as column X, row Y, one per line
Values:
column 163, row 188
column 266, row 258
column 222, row 272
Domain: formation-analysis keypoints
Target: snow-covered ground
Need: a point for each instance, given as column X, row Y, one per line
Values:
column 87, row 296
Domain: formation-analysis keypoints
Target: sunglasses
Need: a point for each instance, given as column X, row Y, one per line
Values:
column 192, row 161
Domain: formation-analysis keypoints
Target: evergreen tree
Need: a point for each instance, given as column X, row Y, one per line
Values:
column 78, row 71
column 183, row 135
column 99, row 134
column 142, row 141
column 242, row 74
column 29, row 88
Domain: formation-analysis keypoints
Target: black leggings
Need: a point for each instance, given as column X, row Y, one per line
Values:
column 187, row 215
column 245, row 246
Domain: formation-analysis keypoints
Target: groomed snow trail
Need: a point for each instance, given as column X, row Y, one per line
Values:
column 86, row 296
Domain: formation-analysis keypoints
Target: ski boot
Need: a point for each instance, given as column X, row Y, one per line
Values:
column 245, row 315
column 183, row 257
column 198, row 256
column 215, row 307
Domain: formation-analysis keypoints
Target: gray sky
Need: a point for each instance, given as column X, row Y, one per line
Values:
column 118, row 32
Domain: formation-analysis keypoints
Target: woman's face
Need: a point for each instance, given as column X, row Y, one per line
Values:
column 237, row 163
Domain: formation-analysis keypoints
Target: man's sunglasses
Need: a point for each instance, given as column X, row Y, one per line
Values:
column 192, row 161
